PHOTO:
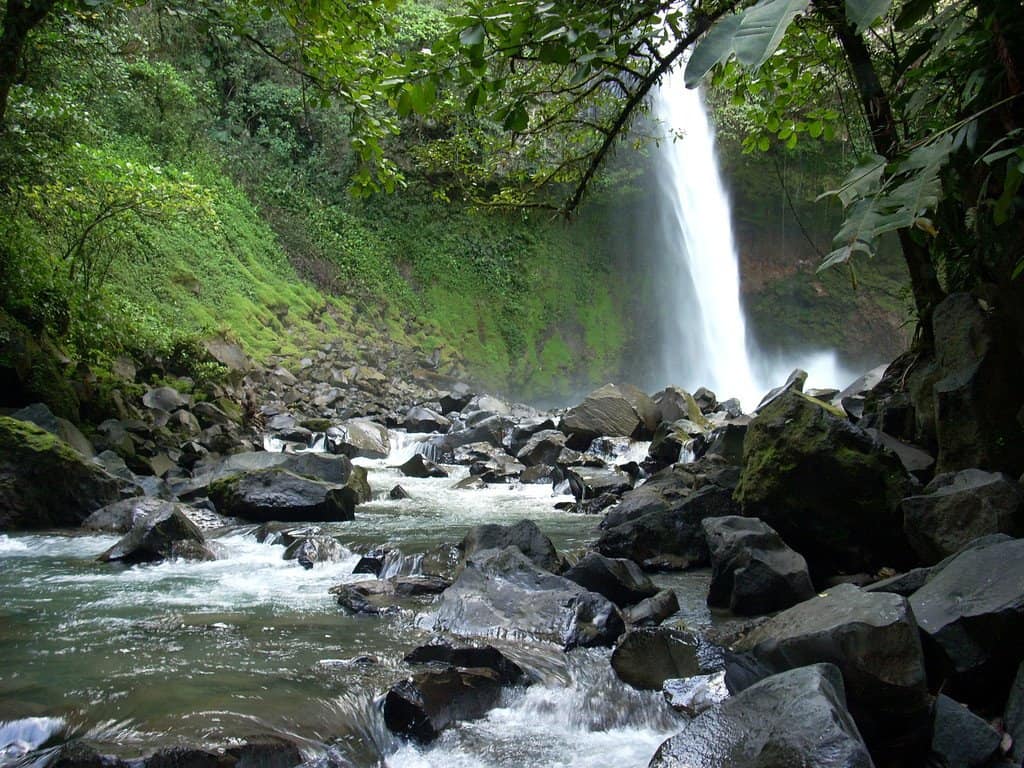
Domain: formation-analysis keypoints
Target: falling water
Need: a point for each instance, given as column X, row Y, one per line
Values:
column 703, row 334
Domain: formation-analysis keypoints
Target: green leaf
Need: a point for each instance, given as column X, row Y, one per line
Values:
column 762, row 28
column 863, row 13
column 471, row 36
column 865, row 179
column 517, row 119
column 715, row 47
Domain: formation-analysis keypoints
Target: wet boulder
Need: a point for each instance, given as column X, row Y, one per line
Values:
column 646, row 657
column 359, row 438
column 795, row 718
column 971, row 614
column 591, row 482
column 873, row 639
column 693, row 695
column 621, row 581
column 375, row 597
column 752, row 569
column 164, row 535
column 420, row 419
column 314, row 549
column 542, row 447
column 961, row 738
column 419, row 465
column 120, row 516
column 727, row 442
column 477, row 657
column 673, row 404
column 44, row 482
column 398, row 493
column 524, row 536
column 653, row 610
column 521, row 433
column 958, row 507
column 276, row 494
column 79, row 754
column 316, row 466
column 502, row 592
column 426, row 703
column 613, row 411
column 830, row 491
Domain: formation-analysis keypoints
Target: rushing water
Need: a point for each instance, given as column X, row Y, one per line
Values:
column 201, row 653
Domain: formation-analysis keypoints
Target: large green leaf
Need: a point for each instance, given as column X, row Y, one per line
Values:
column 762, row 28
column 715, row 47
column 865, row 179
column 863, row 13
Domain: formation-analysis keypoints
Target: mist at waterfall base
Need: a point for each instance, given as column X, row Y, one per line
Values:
column 687, row 238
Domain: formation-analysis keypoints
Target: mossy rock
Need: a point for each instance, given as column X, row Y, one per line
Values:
column 44, row 483
column 30, row 371
column 825, row 485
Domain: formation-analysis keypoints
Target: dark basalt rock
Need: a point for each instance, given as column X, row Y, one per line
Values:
column 314, row 549
column 276, row 494
column 612, row 411
column 543, row 447
column 381, row 596
column 646, row 657
column 420, row 466
column 621, row 581
column 160, row 536
column 795, row 718
column 961, row 738
column 420, row 419
column 397, row 493
column 592, row 482
column 428, row 702
column 524, row 536
column 487, row 657
column 653, row 610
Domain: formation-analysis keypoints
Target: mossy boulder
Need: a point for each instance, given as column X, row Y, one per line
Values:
column 30, row 371
column 830, row 490
column 44, row 482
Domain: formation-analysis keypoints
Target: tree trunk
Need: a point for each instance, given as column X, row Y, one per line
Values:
column 20, row 18
column 924, row 282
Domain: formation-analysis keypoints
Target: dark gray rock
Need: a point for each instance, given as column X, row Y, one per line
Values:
column 359, row 438
column 524, row 535
column 971, row 614
column 542, row 447
column 372, row 562
column 591, row 482
column 314, row 549
column 1013, row 716
column 317, row 466
column 646, row 657
column 502, row 592
column 727, row 442
column 873, row 639
column 961, row 738
column 904, row 584
column 397, row 493
column 959, row 507
column 166, row 399
column 673, row 404
column 752, row 569
column 693, row 695
column 831, row 492
column 621, row 581
column 613, row 411
column 653, row 610
column 160, row 536
column 420, row 419
column 78, row 754
column 796, row 718
column 486, row 657
column 275, row 494
column 541, row 474
column 525, row 429
column 426, row 703
column 120, row 516
column 915, row 460
column 420, row 466
column 382, row 596
column 794, row 383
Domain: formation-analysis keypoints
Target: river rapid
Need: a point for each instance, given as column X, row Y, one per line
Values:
column 251, row 645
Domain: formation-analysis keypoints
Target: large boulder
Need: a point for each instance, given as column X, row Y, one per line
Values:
column 419, row 465
column 359, row 438
column 374, row 597
column 524, row 535
column 592, row 482
column 159, row 536
column 795, row 718
column 653, row 610
column 421, row 419
column 957, row 508
column 613, row 411
column 971, row 614
column 502, row 592
column 426, row 703
column 752, row 569
column 310, row 550
column 960, row 737
column 1013, row 716
column 276, row 494
column 648, row 656
column 663, row 529
column 830, row 491
column 486, row 657
column 542, row 447
column 673, row 404
column 44, row 483
column 873, row 639
column 621, row 581
column 121, row 516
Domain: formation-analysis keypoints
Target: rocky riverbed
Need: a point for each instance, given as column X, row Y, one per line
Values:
column 330, row 568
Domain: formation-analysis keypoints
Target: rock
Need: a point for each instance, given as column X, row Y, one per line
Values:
column 648, row 656
column 316, row 466
column 957, row 508
column 525, row 429
column 830, row 491
column 78, row 754
column 706, row 399
column 916, row 461
column 41, row 415
column 664, row 522
column 752, row 569
column 653, row 610
column 31, row 371
column 276, row 494
column 594, row 506
column 359, row 438
column 693, row 695
column 971, row 614
column 372, row 562
column 428, row 702
column 671, row 438
column 794, row 383
column 621, row 581
column 544, row 447
column 454, row 402
column 873, row 639
column 541, row 474
column 486, row 657
column 524, row 536
column 121, row 516
column 165, row 399
column 397, row 493
column 381, row 596
column 673, row 403
column 314, row 549
column 228, row 354
column 591, row 482
column 44, row 482
column 420, row 466
column 1013, row 716
column 614, row 411
column 490, row 429
column 420, row 419
column 160, row 536
column 796, row 718
column 904, row 584
column 488, row 404
column 470, row 483
column 727, row 442
column 502, row 592
column 961, row 738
